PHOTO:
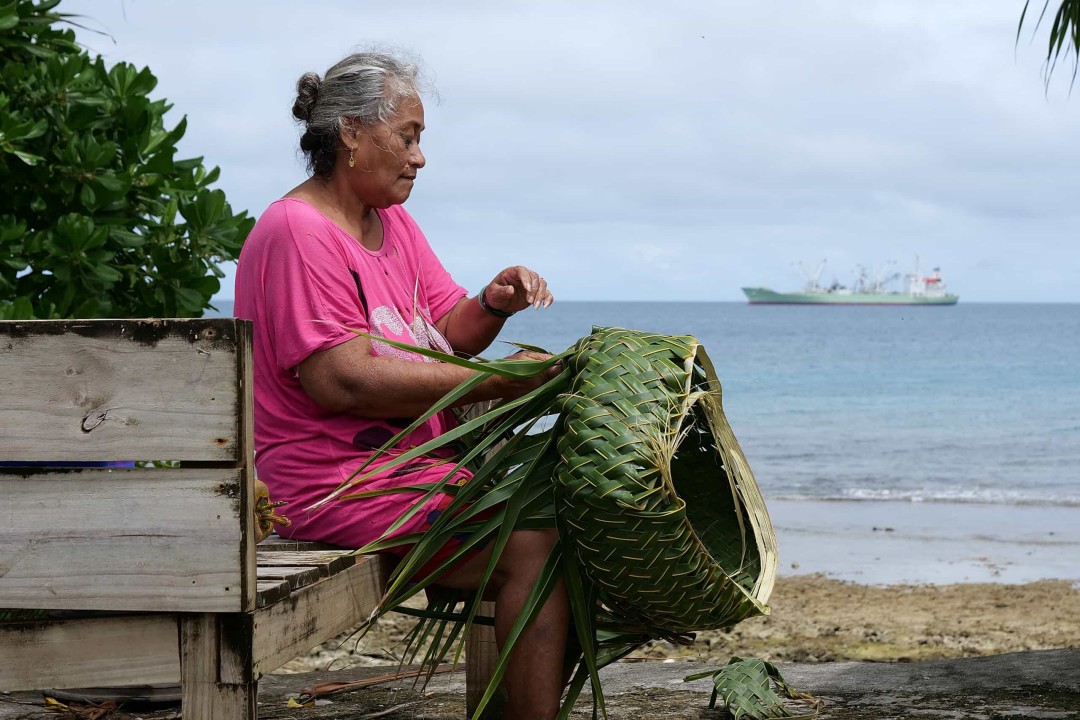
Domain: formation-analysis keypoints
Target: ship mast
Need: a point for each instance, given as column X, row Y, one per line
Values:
column 882, row 278
column 811, row 276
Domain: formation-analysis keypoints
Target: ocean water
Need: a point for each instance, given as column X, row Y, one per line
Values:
column 973, row 403
column 892, row 444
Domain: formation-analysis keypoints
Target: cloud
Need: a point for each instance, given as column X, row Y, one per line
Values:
column 649, row 151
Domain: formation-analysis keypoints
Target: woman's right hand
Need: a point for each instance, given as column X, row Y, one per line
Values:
column 511, row 388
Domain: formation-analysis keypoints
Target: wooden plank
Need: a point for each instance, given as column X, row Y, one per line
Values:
column 481, row 656
column 246, row 457
column 89, row 652
column 328, row 562
column 315, row 613
column 83, row 390
column 296, row 577
column 139, row 539
column 276, row 543
column 271, row 591
column 204, row 695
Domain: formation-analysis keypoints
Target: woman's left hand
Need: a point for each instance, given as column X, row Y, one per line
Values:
column 516, row 288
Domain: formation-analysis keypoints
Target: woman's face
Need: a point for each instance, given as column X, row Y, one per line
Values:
column 387, row 157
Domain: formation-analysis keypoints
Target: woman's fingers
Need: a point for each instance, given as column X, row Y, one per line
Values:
column 518, row 287
column 533, row 355
column 529, row 355
column 543, row 297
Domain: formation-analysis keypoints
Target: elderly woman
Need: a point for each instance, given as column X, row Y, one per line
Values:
column 339, row 251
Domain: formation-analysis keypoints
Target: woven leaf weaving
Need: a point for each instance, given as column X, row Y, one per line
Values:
column 746, row 688
column 627, row 451
column 653, row 490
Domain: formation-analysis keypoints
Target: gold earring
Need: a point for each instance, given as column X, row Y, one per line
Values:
column 352, row 160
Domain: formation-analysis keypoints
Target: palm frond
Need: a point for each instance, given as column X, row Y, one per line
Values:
column 662, row 528
column 1064, row 33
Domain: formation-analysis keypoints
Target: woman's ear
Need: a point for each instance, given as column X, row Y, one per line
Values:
column 348, row 130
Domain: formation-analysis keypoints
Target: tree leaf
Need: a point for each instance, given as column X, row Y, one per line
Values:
column 28, row 158
column 9, row 16
column 79, row 134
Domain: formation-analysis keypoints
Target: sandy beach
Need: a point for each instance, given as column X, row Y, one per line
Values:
column 879, row 581
column 815, row 618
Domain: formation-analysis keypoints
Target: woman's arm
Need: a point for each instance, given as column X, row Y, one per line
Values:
column 348, row 378
column 470, row 329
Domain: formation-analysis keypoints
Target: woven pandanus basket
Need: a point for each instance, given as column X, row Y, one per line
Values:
column 662, row 529
column 653, row 491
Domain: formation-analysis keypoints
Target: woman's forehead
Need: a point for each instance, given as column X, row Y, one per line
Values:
column 410, row 112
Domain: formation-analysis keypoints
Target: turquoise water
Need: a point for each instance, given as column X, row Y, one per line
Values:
column 977, row 403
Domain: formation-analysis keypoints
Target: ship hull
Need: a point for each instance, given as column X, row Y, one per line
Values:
column 764, row 296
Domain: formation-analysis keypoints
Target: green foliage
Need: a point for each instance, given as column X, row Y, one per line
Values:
column 97, row 216
column 1064, row 32
column 660, row 397
column 746, row 687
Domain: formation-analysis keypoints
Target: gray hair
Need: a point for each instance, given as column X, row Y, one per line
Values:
column 365, row 87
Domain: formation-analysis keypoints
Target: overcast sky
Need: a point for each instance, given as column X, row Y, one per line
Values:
column 666, row 151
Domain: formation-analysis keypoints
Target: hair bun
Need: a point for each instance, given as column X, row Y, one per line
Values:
column 307, row 94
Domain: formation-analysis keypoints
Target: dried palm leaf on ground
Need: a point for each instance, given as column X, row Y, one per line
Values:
column 627, row 451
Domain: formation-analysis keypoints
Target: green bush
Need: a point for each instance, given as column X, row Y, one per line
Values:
column 97, row 217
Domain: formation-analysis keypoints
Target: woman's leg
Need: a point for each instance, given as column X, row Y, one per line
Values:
column 534, row 676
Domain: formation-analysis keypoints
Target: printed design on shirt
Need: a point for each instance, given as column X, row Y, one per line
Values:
column 422, row 330
column 427, row 335
column 386, row 322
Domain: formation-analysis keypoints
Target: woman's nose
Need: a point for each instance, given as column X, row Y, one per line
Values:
column 417, row 160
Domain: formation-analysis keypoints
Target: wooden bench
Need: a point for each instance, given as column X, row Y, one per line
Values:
column 156, row 567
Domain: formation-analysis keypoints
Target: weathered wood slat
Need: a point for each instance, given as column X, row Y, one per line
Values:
column 296, row 576
column 268, row 592
column 481, row 656
column 120, row 650
column 276, row 543
column 328, row 562
column 120, row 390
column 206, row 696
column 316, row 613
column 146, row 539
column 246, row 456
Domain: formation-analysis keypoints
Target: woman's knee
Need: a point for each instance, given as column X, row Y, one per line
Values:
column 526, row 552
column 535, row 544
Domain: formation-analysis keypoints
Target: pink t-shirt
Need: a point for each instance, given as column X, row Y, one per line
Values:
column 303, row 280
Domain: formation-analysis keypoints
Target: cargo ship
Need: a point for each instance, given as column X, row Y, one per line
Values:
column 918, row 289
